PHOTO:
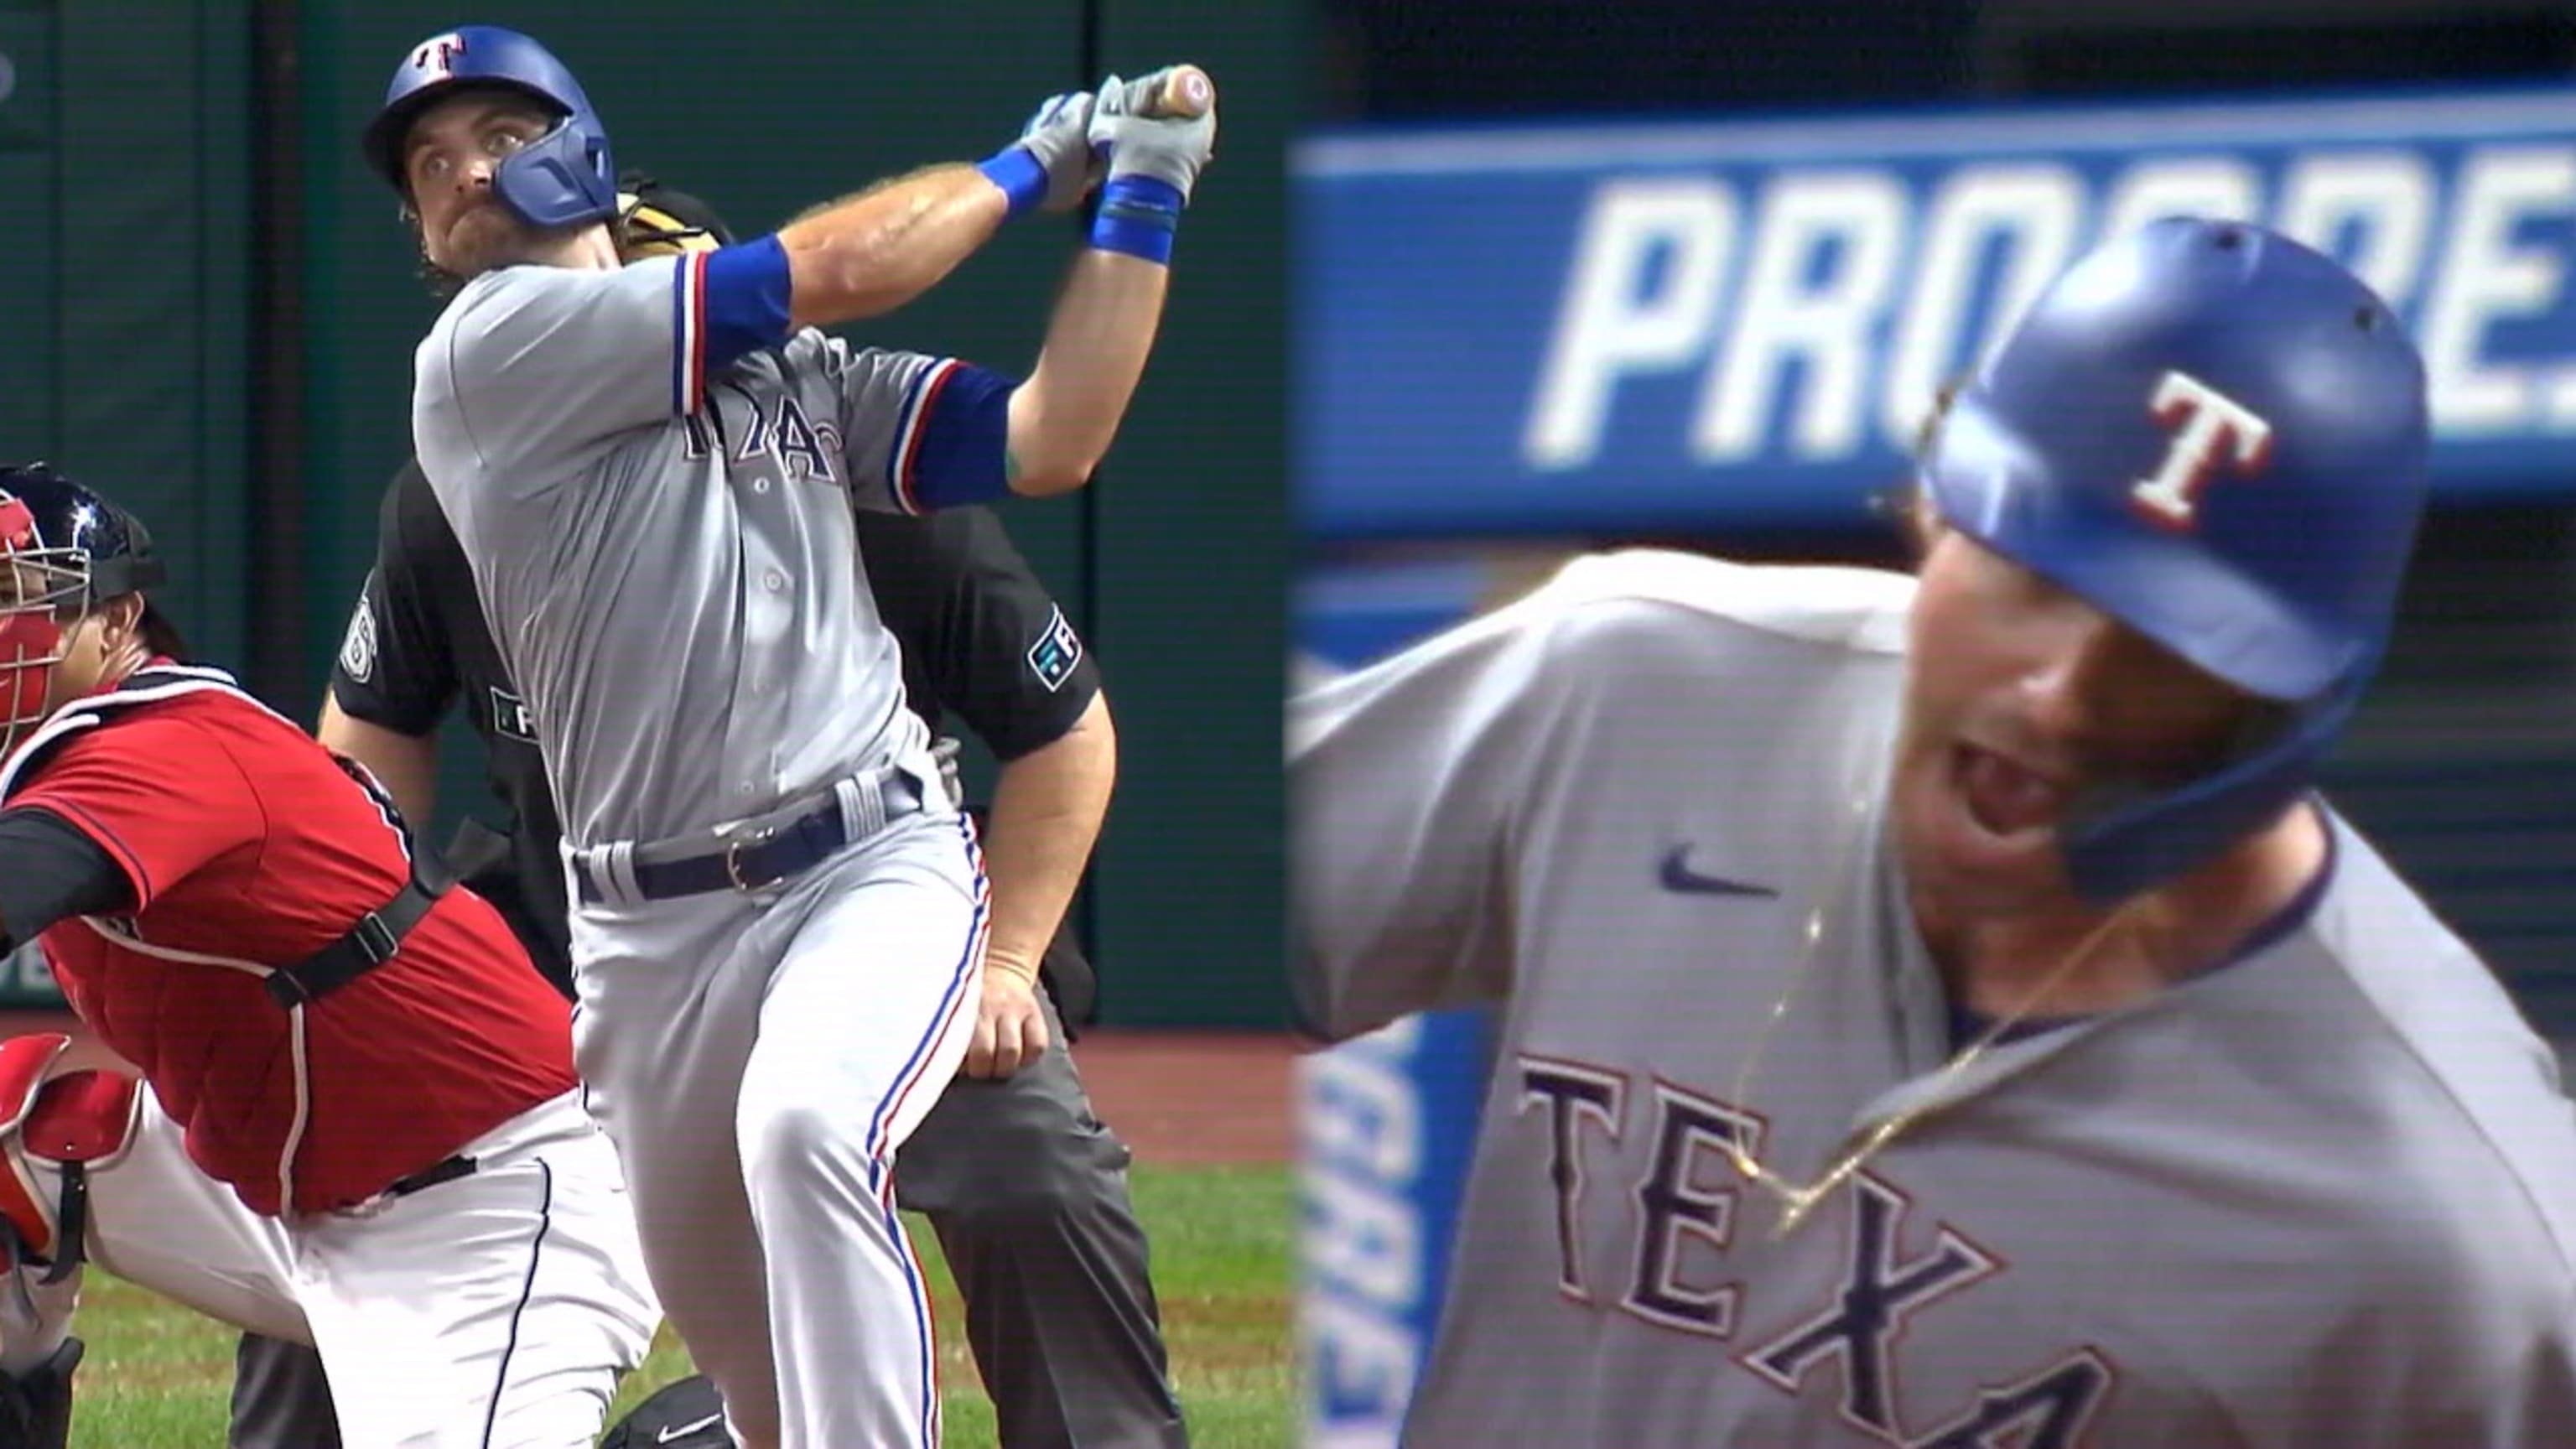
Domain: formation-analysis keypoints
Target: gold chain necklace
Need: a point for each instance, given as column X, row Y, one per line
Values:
column 1797, row 1200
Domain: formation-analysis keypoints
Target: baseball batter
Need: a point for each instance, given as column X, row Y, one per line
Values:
column 358, row 1125
column 1938, row 1011
column 779, row 914
column 1024, row 1185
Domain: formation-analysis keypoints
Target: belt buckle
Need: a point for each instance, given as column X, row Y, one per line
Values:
column 733, row 859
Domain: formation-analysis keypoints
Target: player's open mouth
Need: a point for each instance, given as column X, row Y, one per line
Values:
column 2004, row 797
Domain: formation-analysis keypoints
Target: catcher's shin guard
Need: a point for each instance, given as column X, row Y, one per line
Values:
column 36, row 1406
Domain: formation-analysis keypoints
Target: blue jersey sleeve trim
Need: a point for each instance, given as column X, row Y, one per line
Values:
column 954, row 444
column 742, row 307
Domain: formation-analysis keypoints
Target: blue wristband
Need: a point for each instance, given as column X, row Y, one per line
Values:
column 1138, row 215
column 1019, row 175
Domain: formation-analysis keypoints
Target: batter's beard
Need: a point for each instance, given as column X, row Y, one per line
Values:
column 484, row 239
column 487, row 237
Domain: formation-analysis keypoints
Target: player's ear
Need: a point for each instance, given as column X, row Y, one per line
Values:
column 121, row 621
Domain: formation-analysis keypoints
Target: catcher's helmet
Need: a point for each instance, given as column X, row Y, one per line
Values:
column 2218, row 437
column 64, row 550
column 563, row 178
column 653, row 220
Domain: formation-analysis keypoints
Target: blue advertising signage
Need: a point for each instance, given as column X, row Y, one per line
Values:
column 1386, row 1121
column 1606, row 327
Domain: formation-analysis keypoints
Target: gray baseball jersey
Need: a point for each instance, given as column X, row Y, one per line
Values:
column 663, row 543
column 652, row 482
column 2323, row 1195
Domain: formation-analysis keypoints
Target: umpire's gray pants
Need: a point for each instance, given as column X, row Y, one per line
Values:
column 1027, row 1191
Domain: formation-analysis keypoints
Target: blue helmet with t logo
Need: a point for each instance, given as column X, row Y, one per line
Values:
column 2218, row 437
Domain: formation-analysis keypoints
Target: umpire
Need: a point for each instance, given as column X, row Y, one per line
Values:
column 1026, row 1189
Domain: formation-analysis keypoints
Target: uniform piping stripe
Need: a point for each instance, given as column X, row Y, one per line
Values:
column 172, row 953
column 294, row 1045
column 303, row 1112
column 689, row 334
column 903, row 463
column 892, row 1107
column 927, row 1331
column 919, row 1063
column 527, row 1289
column 916, row 1068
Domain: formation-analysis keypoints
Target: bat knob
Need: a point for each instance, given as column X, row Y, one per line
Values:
column 1186, row 93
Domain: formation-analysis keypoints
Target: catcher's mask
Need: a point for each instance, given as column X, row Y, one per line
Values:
column 655, row 221
column 64, row 550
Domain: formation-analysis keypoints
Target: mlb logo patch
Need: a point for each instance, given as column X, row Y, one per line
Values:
column 1057, row 651
column 510, row 716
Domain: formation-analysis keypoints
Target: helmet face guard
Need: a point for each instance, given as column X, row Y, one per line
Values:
column 41, row 588
column 64, row 550
column 2217, row 437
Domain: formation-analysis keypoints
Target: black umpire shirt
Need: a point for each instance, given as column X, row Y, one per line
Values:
column 980, row 636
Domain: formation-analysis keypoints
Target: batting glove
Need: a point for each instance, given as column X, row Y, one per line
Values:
column 1052, row 167
column 1154, row 161
column 1169, row 149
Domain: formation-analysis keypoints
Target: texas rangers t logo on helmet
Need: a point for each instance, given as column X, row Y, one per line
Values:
column 439, row 53
column 2205, row 422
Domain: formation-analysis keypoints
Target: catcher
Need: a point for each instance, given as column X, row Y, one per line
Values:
column 357, row 1122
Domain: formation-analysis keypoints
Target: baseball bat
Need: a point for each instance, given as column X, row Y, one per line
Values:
column 1185, row 94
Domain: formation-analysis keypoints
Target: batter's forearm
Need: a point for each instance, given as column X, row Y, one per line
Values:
column 1066, row 415
column 873, row 252
column 1047, row 809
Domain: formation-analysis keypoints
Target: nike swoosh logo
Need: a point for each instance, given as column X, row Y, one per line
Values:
column 1678, row 876
column 667, row 1435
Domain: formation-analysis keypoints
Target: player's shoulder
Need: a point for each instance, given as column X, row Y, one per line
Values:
column 173, row 726
column 409, row 511
column 534, row 296
column 2484, row 1104
column 484, row 298
column 1659, row 594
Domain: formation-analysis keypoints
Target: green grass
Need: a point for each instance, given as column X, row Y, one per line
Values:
column 157, row 1376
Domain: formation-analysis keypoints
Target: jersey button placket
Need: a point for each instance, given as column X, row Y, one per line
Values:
column 759, row 722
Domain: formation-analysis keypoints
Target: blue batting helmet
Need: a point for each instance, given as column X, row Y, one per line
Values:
column 563, row 178
column 2218, row 437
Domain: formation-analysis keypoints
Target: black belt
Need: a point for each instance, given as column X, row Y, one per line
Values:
column 761, row 858
column 369, row 944
column 453, row 1168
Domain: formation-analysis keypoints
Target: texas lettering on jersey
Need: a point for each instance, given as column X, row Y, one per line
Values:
column 1664, row 1145
column 805, row 447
